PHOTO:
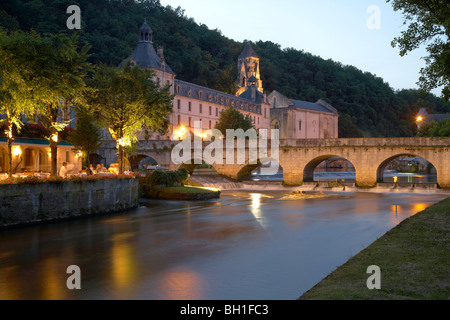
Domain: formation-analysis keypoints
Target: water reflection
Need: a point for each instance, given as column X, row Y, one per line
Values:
column 181, row 284
column 247, row 245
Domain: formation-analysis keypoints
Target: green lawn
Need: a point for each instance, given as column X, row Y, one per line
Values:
column 414, row 258
column 187, row 193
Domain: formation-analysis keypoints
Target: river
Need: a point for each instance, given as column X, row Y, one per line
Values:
column 245, row 245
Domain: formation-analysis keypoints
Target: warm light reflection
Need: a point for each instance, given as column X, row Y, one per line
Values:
column 182, row 285
column 255, row 207
column 123, row 261
column 419, row 207
column 53, row 284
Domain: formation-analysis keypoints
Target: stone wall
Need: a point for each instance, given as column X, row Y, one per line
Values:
column 30, row 203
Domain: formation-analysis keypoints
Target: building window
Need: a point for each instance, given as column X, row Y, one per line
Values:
column 210, row 108
column 300, row 125
column 200, row 94
column 179, row 104
column 178, row 89
column 265, row 114
column 189, row 122
column 190, row 106
column 179, row 119
column 200, row 108
column 217, row 112
column 210, row 124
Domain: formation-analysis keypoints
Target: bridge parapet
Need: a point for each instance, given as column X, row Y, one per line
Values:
column 367, row 142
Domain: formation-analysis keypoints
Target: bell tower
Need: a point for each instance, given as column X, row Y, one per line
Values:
column 145, row 33
column 248, row 70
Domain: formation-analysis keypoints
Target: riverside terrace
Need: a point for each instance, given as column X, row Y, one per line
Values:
column 299, row 158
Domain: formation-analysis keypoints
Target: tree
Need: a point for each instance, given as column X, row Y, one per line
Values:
column 16, row 83
column 435, row 129
column 87, row 137
column 128, row 101
column 232, row 118
column 60, row 66
column 429, row 24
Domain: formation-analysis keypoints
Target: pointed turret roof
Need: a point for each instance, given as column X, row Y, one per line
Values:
column 145, row 56
column 248, row 52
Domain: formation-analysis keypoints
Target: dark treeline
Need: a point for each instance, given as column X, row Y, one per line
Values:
column 368, row 106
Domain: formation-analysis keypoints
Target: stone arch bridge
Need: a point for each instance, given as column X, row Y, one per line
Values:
column 299, row 158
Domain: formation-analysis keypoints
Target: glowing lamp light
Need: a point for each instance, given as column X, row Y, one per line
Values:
column 16, row 151
column 395, row 179
column 79, row 154
column 54, row 137
column 419, row 119
column 122, row 142
column 180, row 133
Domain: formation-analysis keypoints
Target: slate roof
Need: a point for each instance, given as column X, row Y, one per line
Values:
column 145, row 56
column 436, row 117
column 311, row 106
column 248, row 52
column 194, row 91
column 260, row 98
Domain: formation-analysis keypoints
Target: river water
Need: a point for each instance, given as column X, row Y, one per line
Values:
column 245, row 245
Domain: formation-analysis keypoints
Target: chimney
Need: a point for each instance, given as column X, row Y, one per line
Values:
column 161, row 56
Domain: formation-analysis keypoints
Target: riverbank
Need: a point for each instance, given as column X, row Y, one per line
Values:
column 413, row 259
column 184, row 193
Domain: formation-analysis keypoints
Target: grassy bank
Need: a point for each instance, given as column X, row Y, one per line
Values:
column 185, row 193
column 413, row 258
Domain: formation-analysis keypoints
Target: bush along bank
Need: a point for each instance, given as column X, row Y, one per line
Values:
column 169, row 185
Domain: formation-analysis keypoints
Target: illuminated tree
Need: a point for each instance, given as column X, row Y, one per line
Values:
column 128, row 101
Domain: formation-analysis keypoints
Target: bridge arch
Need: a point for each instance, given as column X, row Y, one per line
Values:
column 382, row 166
column 246, row 169
column 139, row 160
column 310, row 167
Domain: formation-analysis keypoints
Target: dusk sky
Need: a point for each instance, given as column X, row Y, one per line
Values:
column 331, row 29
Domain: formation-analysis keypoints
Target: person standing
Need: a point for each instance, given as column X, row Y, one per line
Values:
column 63, row 170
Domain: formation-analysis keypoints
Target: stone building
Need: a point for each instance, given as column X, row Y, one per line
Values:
column 193, row 102
column 298, row 119
column 423, row 116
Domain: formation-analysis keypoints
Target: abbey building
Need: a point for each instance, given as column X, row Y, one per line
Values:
column 295, row 119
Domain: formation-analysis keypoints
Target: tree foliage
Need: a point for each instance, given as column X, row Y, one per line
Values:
column 429, row 24
column 206, row 57
column 232, row 118
column 128, row 101
column 435, row 129
column 87, row 137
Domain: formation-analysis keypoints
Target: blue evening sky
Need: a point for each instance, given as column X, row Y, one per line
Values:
column 331, row 29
